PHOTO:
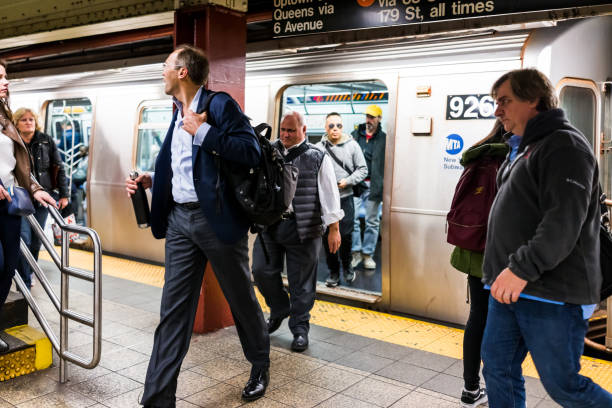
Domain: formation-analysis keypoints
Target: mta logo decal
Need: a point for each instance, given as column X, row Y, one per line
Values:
column 454, row 144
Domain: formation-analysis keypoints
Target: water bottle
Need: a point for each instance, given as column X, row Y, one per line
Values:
column 140, row 203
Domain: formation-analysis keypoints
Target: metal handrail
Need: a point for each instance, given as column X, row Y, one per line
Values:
column 62, row 304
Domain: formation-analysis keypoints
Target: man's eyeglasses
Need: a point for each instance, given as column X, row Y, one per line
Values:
column 168, row 66
column 332, row 125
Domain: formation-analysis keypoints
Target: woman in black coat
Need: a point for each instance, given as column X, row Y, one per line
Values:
column 48, row 170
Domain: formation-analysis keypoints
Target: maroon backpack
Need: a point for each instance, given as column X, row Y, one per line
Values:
column 469, row 212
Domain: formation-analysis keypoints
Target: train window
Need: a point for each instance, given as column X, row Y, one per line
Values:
column 350, row 100
column 152, row 128
column 69, row 122
column 579, row 104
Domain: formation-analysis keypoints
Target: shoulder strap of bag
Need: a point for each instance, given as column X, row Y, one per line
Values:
column 336, row 159
column 294, row 153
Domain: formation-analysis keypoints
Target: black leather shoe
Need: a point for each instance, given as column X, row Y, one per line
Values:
column 3, row 346
column 255, row 388
column 274, row 324
column 300, row 342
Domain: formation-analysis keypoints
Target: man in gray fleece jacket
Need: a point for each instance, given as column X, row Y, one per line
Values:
column 542, row 251
column 350, row 168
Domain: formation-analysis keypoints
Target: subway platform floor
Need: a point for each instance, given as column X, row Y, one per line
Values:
column 340, row 368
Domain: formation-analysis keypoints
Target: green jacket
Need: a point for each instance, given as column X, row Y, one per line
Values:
column 464, row 260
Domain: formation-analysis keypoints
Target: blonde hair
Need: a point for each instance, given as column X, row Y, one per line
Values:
column 22, row 111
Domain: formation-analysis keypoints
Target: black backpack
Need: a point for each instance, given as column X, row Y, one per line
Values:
column 264, row 192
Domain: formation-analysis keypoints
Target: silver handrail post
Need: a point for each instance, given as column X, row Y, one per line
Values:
column 62, row 304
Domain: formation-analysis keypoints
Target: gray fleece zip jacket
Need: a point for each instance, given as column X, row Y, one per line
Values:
column 349, row 152
column 544, row 222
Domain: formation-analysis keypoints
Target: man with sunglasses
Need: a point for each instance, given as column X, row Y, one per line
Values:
column 350, row 168
column 372, row 140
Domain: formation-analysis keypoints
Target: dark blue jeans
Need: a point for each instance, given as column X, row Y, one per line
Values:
column 9, row 250
column 554, row 335
column 32, row 241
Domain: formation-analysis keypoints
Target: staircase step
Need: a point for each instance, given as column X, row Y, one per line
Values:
column 29, row 351
column 14, row 312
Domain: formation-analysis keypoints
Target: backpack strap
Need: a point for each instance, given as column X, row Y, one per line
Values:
column 336, row 159
column 294, row 153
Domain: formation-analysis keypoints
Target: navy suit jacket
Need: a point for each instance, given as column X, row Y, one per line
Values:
column 230, row 137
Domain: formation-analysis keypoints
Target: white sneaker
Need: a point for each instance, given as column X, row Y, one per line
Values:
column 356, row 259
column 473, row 399
column 368, row 262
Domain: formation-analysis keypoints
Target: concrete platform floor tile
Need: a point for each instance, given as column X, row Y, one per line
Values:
column 128, row 399
column 417, row 399
column 265, row 403
column 445, row 384
column 326, row 351
column 27, row 387
column 63, row 398
column 533, row 386
column 350, row 341
column 113, row 329
column 122, row 358
column 132, row 339
column 142, row 320
column 221, row 368
column 299, row 394
column 387, row 350
column 429, row 360
column 364, row 361
column 407, row 373
column 294, row 366
column 185, row 404
column 220, row 395
column 349, row 369
column 75, row 374
column 342, row 401
column 322, row 333
column 376, row 392
column 4, row 404
column 391, row 381
column 332, row 378
column 196, row 356
column 276, row 380
column 190, row 383
column 106, row 387
column 136, row 372
column 545, row 403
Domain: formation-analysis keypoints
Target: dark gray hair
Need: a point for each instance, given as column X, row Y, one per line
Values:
column 195, row 61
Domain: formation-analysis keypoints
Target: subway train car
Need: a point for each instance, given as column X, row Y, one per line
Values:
column 434, row 94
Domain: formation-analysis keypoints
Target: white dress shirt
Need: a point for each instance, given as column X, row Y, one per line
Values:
column 183, row 190
column 7, row 159
column 329, row 196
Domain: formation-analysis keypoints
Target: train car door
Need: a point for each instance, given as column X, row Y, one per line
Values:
column 69, row 122
column 349, row 101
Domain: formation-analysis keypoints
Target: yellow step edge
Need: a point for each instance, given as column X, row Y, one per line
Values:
column 36, row 355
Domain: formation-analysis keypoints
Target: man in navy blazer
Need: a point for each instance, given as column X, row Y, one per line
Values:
column 201, row 223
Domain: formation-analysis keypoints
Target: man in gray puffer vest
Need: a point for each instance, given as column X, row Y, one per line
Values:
column 350, row 168
column 542, row 251
column 296, row 238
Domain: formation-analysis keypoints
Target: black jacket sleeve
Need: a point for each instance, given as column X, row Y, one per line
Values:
column 56, row 160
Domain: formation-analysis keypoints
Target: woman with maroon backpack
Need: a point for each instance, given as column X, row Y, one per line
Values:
column 467, row 230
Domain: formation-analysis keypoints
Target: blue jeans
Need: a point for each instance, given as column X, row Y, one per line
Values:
column 372, row 224
column 32, row 241
column 554, row 335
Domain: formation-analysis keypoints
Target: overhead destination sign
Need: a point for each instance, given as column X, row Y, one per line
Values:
column 296, row 17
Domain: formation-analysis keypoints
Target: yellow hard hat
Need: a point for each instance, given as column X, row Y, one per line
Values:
column 373, row 110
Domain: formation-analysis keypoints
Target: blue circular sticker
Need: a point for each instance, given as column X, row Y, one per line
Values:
column 454, row 144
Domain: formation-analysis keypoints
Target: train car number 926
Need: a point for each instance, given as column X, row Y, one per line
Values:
column 462, row 107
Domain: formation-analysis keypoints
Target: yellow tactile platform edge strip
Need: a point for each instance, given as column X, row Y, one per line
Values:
column 443, row 340
column 36, row 357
